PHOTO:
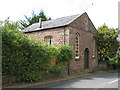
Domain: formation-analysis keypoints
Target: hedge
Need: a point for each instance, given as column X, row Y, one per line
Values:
column 26, row 58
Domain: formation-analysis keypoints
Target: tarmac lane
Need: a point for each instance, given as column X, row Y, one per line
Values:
column 97, row 82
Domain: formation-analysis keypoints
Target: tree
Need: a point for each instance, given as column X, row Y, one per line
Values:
column 7, row 24
column 1, row 22
column 107, row 42
column 34, row 19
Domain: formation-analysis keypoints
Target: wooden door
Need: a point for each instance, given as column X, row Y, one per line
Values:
column 86, row 59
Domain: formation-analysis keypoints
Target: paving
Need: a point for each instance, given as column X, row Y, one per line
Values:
column 44, row 83
column 108, row 80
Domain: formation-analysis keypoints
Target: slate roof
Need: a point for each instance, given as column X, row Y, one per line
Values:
column 59, row 22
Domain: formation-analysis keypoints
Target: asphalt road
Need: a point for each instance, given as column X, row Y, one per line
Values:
column 108, row 80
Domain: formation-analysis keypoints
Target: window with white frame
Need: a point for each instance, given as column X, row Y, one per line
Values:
column 77, row 45
column 48, row 40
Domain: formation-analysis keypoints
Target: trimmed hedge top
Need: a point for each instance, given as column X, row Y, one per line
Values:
column 27, row 58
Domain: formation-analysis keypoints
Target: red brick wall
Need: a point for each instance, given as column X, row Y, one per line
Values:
column 56, row 33
column 80, row 25
column 85, row 41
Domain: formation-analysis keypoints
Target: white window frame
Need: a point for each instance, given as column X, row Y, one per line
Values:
column 93, row 47
column 48, row 40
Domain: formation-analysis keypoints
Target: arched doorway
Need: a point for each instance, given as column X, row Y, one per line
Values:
column 86, row 58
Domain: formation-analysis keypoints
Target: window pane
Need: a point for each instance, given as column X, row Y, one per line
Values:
column 93, row 47
column 48, row 40
column 77, row 45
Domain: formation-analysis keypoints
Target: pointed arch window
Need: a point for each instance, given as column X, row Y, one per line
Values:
column 77, row 45
column 93, row 47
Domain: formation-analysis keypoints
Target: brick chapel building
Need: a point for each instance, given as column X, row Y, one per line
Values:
column 77, row 31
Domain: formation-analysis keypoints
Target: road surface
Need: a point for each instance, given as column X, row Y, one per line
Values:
column 108, row 80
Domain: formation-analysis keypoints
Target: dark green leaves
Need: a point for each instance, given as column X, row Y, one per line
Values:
column 26, row 58
column 34, row 19
column 64, row 54
column 107, row 41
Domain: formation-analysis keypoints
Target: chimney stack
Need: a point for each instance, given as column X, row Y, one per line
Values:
column 40, row 22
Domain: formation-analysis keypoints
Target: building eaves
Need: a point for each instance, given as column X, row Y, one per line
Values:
column 59, row 22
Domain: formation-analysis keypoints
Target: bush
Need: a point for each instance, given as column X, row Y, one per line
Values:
column 64, row 54
column 20, row 56
column 23, row 57
column 56, row 69
column 26, row 58
column 115, row 61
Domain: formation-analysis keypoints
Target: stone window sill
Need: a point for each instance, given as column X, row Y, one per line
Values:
column 93, row 56
column 77, row 58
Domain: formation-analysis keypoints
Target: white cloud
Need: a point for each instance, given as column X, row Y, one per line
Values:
column 104, row 11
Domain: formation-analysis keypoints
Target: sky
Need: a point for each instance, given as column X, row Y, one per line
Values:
column 99, row 11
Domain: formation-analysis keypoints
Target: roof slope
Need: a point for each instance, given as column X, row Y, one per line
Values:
column 51, row 23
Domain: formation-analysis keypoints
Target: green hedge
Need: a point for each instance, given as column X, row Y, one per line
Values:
column 26, row 58
column 114, row 62
column 64, row 54
column 22, row 57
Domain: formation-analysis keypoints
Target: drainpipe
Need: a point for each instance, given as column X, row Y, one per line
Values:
column 64, row 44
column 63, row 36
column 68, row 67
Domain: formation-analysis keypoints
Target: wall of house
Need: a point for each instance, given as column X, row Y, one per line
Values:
column 79, row 24
column 56, row 33
column 85, row 41
column 86, row 37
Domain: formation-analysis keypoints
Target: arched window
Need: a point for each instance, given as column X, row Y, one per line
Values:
column 77, row 45
column 48, row 40
column 93, row 47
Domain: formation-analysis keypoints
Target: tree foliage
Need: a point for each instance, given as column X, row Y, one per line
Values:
column 1, row 23
column 64, row 54
column 107, row 41
column 115, row 59
column 26, row 58
column 34, row 19
column 7, row 24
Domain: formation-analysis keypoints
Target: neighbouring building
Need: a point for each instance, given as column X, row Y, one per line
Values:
column 77, row 31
